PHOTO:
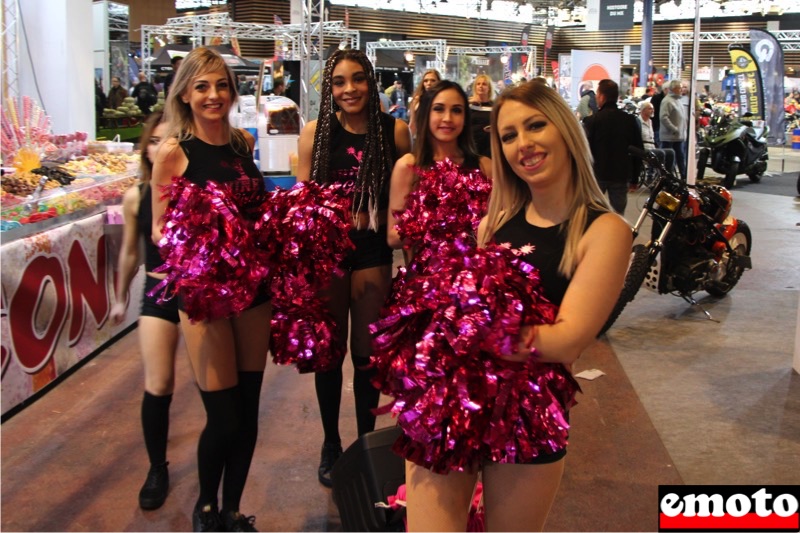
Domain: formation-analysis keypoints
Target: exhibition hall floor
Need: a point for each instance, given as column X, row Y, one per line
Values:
column 684, row 400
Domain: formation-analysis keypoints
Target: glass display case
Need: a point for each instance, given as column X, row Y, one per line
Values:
column 84, row 197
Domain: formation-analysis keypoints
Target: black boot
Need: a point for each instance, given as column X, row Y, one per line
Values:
column 206, row 518
column 235, row 521
column 330, row 454
column 155, row 488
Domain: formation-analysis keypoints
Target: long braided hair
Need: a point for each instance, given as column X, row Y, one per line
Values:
column 376, row 164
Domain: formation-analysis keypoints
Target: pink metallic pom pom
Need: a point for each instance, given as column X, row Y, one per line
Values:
column 305, row 231
column 209, row 254
column 447, row 203
column 436, row 352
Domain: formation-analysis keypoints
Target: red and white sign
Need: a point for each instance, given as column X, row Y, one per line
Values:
column 57, row 293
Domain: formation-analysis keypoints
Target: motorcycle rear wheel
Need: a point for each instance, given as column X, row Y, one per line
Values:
column 741, row 242
column 637, row 272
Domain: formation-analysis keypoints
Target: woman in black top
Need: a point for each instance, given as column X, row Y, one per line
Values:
column 352, row 140
column 227, row 355
column 443, row 117
column 543, row 194
column 158, row 322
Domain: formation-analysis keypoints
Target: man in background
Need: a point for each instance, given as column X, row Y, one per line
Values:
column 588, row 105
column 673, row 124
column 399, row 101
column 175, row 61
column 145, row 94
column 610, row 131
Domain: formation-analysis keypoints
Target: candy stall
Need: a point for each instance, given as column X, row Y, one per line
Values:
column 57, row 247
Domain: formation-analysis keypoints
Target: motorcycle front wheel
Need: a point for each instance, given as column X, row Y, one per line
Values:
column 741, row 243
column 637, row 272
column 730, row 176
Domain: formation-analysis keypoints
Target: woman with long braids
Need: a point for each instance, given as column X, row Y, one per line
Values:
column 352, row 140
column 227, row 354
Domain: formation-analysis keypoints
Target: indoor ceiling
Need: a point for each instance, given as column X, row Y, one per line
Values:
column 573, row 11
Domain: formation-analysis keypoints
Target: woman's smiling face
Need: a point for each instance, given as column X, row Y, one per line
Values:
column 532, row 145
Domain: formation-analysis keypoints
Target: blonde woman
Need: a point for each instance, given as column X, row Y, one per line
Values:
column 544, row 194
column 481, row 104
column 227, row 355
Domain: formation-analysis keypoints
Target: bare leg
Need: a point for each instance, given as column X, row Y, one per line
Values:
column 437, row 502
column 519, row 497
column 158, row 340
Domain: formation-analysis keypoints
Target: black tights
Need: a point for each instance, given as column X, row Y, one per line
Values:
column 227, row 442
column 329, row 396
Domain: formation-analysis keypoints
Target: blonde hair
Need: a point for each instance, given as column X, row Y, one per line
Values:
column 510, row 193
column 179, row 114
column 488, row 80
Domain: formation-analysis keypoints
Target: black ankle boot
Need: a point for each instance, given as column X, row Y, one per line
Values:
column 206, row 518
column 155, row 488
column 330, row 454
column 235, row 521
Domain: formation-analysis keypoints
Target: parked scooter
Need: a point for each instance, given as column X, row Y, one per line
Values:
column 734, row 146
column 695, row 244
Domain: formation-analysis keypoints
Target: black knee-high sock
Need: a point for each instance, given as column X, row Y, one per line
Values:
column 329, row 397
column 223, row 422
column 366, row 395
column 240, row 454
column 155, row 425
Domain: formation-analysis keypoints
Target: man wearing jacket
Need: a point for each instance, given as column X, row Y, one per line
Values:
column 610, row 131
column 672, row 120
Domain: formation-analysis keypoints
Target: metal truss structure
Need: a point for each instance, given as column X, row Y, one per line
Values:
column 304, row 42
column 437, row 46
column 484, row 50
column 789, row 40
column 9, row 48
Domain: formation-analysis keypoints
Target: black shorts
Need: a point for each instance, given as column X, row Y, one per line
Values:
column 150, row 307
column 262, row 297
column 372, row 250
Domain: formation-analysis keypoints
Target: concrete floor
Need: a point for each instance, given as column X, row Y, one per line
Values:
column 683, row 400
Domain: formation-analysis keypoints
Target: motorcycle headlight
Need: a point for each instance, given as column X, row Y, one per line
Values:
column 667, row 201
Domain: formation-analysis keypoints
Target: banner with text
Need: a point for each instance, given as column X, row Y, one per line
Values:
column 768, row 54
column 748, row 82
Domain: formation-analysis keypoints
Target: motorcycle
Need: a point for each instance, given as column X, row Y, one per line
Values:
column 695, row 244
column 734, row 146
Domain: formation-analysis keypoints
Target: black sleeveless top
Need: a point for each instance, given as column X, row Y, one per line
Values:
column 144, row 223
column 222, row 165
column 549, row 244
column 346, row 150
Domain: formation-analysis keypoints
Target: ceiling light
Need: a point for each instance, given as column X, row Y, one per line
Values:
column 409, row 56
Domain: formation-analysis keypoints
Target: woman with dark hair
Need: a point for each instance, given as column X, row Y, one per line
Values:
column 429, row 79
column 352, row 140
column 158, row 322
column 227, row 354
column 443, row 116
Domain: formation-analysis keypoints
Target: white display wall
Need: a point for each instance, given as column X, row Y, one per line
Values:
column 56, row 65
